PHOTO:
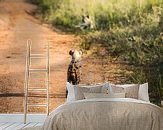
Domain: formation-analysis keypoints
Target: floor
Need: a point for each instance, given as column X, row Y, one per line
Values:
column 16, row 121
column 17, row 126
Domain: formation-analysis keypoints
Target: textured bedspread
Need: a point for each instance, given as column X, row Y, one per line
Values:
column 106, row 114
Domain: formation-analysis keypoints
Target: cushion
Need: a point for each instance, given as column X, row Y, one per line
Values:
column 161, row 103
column 76, row 92
column 80, row 90
column 102, row 95
column 70, row 95
column 106, row 88
column 131, row 90
column 143, row 92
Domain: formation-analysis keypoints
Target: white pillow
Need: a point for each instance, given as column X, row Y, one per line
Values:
column 131, row 91
column 124, row 85
column 73, row 88
column 106, row 88
column 102, row 95
column 143, row 92
column 70, row 95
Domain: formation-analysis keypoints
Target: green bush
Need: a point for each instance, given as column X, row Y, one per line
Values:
column 65, row 19
column 141, row 46
column 105, row 14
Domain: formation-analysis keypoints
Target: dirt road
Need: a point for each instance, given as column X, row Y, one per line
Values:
column 17, row 25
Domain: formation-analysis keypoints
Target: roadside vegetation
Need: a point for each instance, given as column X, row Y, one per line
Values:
column 131, row 31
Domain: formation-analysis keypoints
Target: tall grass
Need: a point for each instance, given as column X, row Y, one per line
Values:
column 105, row 14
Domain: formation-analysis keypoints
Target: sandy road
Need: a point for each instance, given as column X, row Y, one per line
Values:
column 16, row 26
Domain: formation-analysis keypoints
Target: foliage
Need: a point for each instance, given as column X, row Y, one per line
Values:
column 141, row 45
column 151, row 75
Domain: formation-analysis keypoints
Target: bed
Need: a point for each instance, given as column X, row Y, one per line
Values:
column 106, row 114
column 99, row 112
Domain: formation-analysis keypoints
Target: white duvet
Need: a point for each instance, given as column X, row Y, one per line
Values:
column 105, row 114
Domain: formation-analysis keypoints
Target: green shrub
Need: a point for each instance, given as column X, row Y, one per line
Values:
column 65, row 19
column 141, row 46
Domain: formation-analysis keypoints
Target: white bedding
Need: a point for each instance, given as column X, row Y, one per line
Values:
column 106, row 114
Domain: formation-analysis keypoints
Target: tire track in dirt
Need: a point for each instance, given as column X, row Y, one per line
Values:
column 16, row 26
